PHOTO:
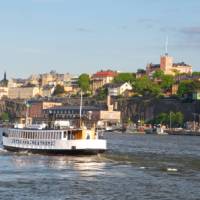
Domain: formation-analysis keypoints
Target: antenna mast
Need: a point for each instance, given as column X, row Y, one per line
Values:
column 166, row 46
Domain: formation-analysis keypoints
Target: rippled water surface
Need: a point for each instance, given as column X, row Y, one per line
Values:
column 135, row 167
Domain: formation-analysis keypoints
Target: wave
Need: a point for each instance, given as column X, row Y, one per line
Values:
column 3, row 151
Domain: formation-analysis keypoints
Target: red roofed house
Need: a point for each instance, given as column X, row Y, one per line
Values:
column 99, row 79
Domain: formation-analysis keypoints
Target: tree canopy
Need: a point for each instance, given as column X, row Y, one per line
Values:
column 59, row 90
column 166, row 81
column 84, row 82
column 158, row 74
column 196, row 73
column 145, row 86
column 176, row 119
column 102, row 93
column 4, row 116
column 125, row 77
column 187, row 87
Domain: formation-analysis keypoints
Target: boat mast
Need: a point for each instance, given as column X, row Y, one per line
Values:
column 81, row 105
column 27, row 110
column 170, row 120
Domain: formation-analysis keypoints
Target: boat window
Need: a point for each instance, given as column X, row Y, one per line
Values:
column 65, row 134
column 48, row 135
column 5, row 134
column 68, row 135
column 34, row 135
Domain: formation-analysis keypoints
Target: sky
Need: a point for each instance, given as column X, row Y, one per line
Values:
column 78, row 36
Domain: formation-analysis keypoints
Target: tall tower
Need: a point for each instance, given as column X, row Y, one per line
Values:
column 4, row 76
column 166, row 61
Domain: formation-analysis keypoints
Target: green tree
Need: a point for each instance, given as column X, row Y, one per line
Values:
column 59, row 90
column 179, row 118
column 84, row 82
column 167, row 82
column 124, row 77
column 158, row 74
column 102, row 93
column 162, row 118
column 5, row 116
column 145, row 86
column 176, row 119
column 187, row 87
column 196, row 73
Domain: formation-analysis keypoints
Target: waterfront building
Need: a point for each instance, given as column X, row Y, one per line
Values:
column 89, row 114
column 99, row 79
column 36, row 107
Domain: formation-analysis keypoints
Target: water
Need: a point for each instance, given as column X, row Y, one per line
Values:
column 135, row 167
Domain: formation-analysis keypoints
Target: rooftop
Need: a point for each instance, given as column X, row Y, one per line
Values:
column 87, row 108
column 105, row 73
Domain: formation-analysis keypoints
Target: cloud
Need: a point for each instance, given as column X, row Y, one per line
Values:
column 147, row 20
column 47, row 1
column 30, row 50
column 82, row 29
column 168, row 29
column 193, row 30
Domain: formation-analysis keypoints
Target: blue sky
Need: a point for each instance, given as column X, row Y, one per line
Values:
column 88, row 35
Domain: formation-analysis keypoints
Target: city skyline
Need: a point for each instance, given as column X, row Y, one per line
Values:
column 75, row 36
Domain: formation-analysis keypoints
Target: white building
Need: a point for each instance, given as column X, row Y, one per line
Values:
column 117, row 89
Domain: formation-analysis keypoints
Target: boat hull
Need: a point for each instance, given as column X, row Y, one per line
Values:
column 56, row 151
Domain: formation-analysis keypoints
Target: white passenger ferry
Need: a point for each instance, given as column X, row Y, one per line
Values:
column 61, row 141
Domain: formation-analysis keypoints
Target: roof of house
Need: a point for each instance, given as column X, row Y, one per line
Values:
column 182, row 64
column 151, row 65
column 105, row 74
column 115, row 85
column 87, row 108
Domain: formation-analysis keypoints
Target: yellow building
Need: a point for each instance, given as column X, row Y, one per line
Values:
column 23, row 92
column 3, row 92
column 168, row 67
column 99, row 79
